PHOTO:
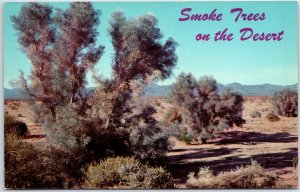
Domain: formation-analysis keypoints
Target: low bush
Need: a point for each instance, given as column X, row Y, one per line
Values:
column 185, row 138
column 174, row 125
column 295, row 168
column 29, row 168
column 295, row 162
column 125, row 172
column 13, row 126
column 250, row 176
column 172, row 116
column 157, row 103
column 13, row 107
column 272, row 117
column 255, row 114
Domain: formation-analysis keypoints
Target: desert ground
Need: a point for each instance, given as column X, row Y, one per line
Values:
column 272, row 144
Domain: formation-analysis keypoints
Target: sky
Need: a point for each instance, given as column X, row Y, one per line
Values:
column 246, row 62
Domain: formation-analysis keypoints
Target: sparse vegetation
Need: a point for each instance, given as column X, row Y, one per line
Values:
column 172, row 116
column 295, row 162
column 13, row 107
column 252, row 176
column 272, row 117
column 185, row 138
column 295, row 168
column 28, row 168
column 157, row 103
column 205, row 110
column 285, row 103
column 14, row 126
column 255, row 114
column 124, row 172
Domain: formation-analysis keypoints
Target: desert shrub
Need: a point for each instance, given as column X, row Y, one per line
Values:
column 255, row 114
column 272, row 117
column 8, row 119
column 17, row 104
column 172, row 115
column 285, row 103
column 13, row 107
column 295, row 162
column 157, row 102
column 149, row 144
column 295, row 168
column 126, row 172
column 29, row 168
column 185, row 138
column 143, row 136
column 13, row 126
column 204, row 110
column 171, row 122
column 19, row 115
column 250, row 176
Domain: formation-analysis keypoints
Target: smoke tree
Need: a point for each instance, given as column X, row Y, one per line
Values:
column 139, row 58
column 285, row 103
column 112, row 120
column 61, row 46
column 204, row 110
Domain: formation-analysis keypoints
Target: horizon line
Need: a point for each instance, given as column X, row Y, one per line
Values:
column 217, row 83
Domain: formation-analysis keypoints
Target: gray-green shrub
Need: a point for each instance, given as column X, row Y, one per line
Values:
column 14, row 126
column 29, row 168
column 185, row 138
column 272, row 117
column 285, row 103
column 126, row 172
column 249, row 177
column 255, row 114
column 204, row 110
column 172, row 116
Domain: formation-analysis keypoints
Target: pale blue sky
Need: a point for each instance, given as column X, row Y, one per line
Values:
column 245, row 62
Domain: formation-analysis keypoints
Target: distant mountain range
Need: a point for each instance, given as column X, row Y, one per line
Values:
column 257, row 90
column 246, row 90
column 164, row 90
column 13, row 94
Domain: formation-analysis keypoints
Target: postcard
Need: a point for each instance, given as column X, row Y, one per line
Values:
column 151, row 95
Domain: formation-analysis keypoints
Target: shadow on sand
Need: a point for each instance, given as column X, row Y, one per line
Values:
column 180, row 168
column 243, row 137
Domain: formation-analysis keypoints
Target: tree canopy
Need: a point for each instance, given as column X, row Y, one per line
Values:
column 111, row 120
column 285, row 103
column 204, row 109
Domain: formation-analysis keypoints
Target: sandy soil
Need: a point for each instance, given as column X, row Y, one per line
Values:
column 21, row 110
column 272, row 144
